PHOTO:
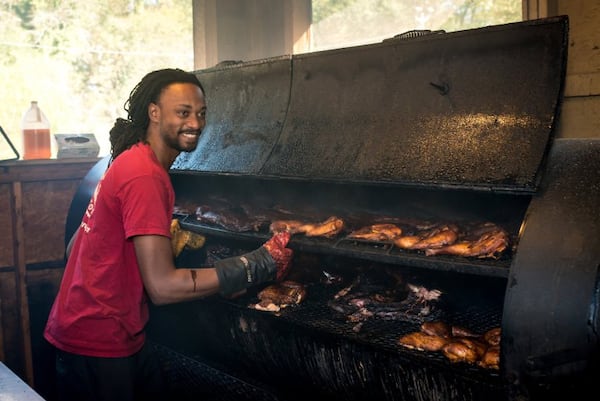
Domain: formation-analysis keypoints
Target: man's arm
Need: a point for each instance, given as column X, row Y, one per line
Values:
column 164, row 283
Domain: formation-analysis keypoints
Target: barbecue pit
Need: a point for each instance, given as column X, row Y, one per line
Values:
column 442, row 127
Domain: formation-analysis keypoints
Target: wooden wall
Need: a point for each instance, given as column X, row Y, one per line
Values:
column 580, row 117
column 35, row 197
column 580, row 111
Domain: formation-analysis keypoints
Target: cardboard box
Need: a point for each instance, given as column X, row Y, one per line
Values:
column 76, row 145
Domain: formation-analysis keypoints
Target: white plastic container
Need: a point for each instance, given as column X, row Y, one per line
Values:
column 36, row 134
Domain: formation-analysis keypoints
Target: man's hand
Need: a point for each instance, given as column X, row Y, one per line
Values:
column 276, row 247
column 267, row 263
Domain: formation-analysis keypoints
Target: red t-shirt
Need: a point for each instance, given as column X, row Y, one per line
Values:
column 101, row 307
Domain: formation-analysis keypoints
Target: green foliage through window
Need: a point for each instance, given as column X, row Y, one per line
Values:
column 80, row 59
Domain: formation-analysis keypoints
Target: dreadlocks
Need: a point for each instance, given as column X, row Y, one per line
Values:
column 127, row 132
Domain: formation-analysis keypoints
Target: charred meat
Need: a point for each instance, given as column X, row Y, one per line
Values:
column 382, row 294
column 460, row 331
column 280, row 295
column 231, row 218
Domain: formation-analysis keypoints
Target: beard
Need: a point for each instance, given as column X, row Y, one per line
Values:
column 184, row 141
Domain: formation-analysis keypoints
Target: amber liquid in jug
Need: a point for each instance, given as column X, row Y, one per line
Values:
column 36, row 134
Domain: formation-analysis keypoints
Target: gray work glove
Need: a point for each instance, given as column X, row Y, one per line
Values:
column 269, row 262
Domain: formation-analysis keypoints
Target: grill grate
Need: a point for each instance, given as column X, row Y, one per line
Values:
column 370, row 251
column 313, row 346
column 315, row 314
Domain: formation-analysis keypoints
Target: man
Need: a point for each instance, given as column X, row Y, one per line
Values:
column 121, row 256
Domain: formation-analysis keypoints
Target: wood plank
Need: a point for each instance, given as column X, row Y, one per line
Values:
column 584, row 34
column 45, row 208
column 50, row 169
column 35, row 196
column 579, row 118
column 21, row 282
column 579, row 85
column 7, row 244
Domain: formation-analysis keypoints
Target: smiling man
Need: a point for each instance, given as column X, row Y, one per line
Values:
column 121, row 258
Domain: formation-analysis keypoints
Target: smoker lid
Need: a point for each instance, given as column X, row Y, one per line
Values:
column 474, row 108
column 247, row 104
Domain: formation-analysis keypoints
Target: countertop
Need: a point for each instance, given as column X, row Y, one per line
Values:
column 12, row 388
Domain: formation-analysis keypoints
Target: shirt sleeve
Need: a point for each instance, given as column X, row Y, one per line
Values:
column 146, row 207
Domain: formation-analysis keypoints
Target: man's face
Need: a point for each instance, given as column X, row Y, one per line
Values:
column 182, row 116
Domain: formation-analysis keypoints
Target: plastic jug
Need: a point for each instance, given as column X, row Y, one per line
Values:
column 36, row 134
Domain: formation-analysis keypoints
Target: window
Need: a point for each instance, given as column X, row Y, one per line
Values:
column 343, row 23
column 79, row 60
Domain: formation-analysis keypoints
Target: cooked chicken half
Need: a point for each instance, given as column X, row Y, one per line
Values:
column 377, row 232
column 422, row 342
column 328, row 228
column 464, row 350
column 293, row 226
column 490, row 243
column 280, row 295
column 491, row 358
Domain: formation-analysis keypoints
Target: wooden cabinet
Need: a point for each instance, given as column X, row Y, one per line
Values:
column 35, row 197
